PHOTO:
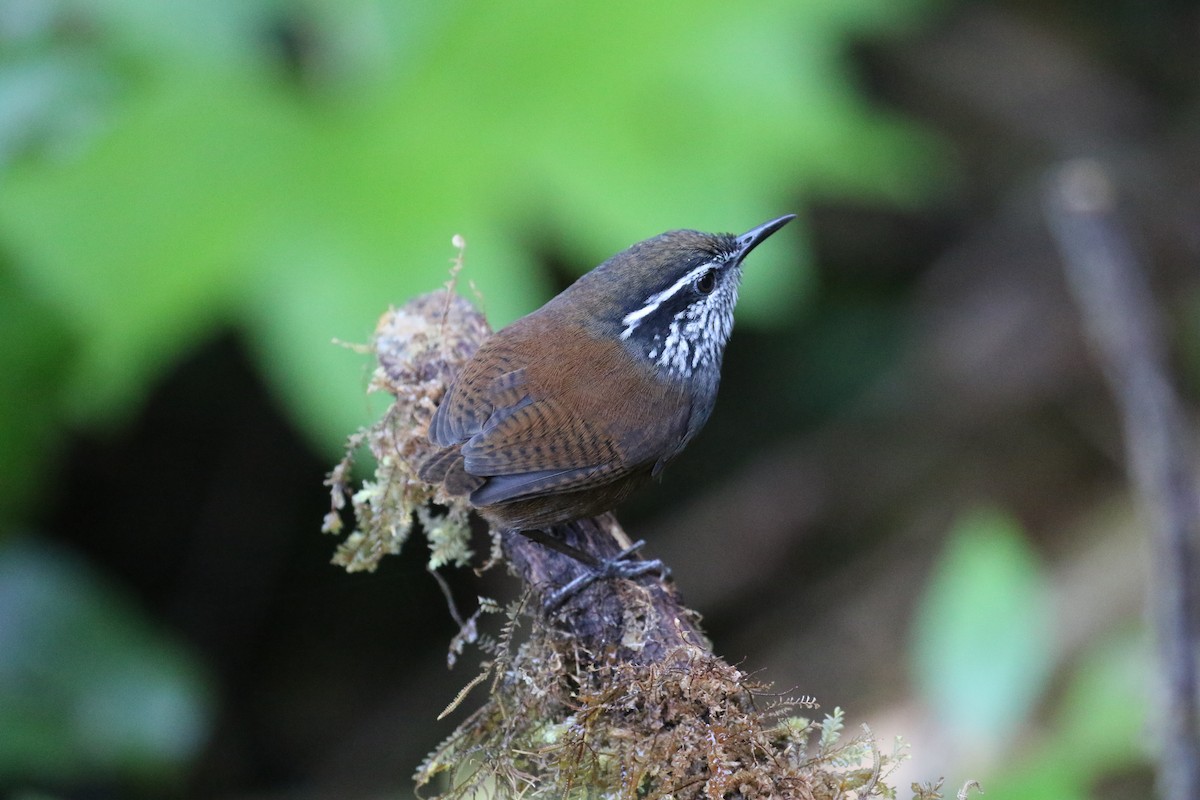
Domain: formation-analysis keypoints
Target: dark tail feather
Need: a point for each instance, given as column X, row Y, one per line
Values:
column 434, row 469
column 445, row 467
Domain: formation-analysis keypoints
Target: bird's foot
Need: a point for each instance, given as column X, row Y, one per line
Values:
column 619, row 566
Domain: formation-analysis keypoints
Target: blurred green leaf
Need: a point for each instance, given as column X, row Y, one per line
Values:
column 195, row 35
column 31, row 389
column 981, row 650
column 52, row 102
column 223, row 194
column 1099, row 727
column 1043, row 779
column 1102, row 717
column 87, row 685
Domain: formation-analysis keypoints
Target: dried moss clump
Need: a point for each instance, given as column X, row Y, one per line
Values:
column 419, row 348
column 565, row 724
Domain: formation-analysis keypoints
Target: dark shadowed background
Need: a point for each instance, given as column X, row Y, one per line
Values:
column 910, row 501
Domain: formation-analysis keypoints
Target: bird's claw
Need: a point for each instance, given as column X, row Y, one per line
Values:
column 619, row 566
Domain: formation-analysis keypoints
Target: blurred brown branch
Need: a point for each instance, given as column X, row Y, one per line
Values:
column 1114, row 298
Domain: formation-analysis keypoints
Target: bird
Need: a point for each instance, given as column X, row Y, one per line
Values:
column 562, row 414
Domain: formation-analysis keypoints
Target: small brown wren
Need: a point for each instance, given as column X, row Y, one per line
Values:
column 560, row 415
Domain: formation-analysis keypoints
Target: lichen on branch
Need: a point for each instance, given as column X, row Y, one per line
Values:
column 419, row 348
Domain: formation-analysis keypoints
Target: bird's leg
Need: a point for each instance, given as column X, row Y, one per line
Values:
column 619, row 566
column 554, row 543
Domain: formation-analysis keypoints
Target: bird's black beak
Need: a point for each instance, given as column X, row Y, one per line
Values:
column 751, row 238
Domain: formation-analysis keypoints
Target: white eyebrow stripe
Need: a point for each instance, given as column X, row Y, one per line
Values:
column 632, row 319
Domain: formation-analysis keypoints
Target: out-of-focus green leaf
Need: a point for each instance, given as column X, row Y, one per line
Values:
column 982, row 649
column 1101, row 720
column 196, row 35
column 1099, row 727
column 35, row 360
column 221, row 194
column 142, row 248
column 87, row 686
column 1043, row 779
column 52, row 103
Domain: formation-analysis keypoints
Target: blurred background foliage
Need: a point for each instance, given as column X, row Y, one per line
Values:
column 275, row 167
column 909, row 503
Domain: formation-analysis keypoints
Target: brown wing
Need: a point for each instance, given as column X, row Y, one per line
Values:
column 533, row 419
column 475, row 394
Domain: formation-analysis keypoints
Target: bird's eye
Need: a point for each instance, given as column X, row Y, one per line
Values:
column 707, row 282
